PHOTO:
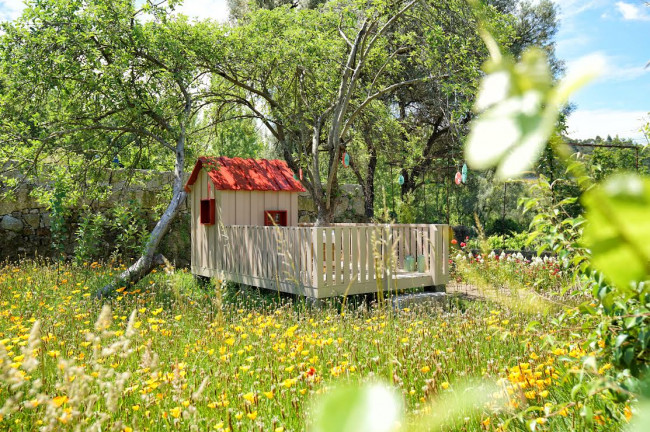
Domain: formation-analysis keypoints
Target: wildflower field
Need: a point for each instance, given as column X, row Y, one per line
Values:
column 173, row 355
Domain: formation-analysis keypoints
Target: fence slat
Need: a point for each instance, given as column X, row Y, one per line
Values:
column 354, row 239
column 319, row 259
column 347, row 262
column 363, row 252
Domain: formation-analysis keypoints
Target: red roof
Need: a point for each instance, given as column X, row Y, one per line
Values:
column 246, row 174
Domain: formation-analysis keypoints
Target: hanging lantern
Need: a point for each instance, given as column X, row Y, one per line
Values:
column 458, row 178
column 400, row 180
column 464, row 173
column 300, row 173
column 345, row 159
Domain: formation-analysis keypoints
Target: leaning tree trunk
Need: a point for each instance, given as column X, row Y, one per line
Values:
column 148, row 260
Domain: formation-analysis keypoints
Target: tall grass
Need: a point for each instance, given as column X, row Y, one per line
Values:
column 173, row 354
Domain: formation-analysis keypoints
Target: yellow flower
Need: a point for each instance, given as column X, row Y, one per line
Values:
column 279, row 429
column 269, row 394
column 239, row 415
column 249, row 397
column 544, row 393
column 252, row 415
column 425, row 369
column 127, row 429
column 486, row 422
column 445, row 385
column 135, row 407
column 59, row 400
column 175, row 412
column 178, row 317
column 628, row 413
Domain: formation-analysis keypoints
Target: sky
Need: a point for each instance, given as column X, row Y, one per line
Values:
column 617, row 103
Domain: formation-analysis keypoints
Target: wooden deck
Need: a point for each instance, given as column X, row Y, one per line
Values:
column 322, row 262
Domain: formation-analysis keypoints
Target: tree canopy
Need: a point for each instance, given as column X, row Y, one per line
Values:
column 388, row 83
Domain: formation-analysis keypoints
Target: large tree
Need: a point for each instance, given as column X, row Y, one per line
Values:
column 78, row 77
column 310, row 76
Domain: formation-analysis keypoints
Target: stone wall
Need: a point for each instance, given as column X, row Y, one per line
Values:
column 25, row 223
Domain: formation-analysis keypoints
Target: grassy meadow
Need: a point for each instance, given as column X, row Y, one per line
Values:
column 173, row 355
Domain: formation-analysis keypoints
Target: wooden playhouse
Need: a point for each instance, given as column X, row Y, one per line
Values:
column 245, row 229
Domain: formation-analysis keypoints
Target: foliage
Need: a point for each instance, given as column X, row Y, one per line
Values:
column 547, row 276
column 100, row 81
column 609, row 254
column 502, row 227
column 128, row 226
column 89, row 237
column 512, row 242
column 58, row 214
column 406, row 209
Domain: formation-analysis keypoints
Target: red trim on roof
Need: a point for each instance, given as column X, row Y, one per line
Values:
column 246, row 174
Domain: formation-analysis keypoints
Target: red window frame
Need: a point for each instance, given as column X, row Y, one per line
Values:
column 207, row 216
column 275, row 217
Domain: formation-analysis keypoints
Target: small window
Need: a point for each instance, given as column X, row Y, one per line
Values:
column 207, row 211
column 275, row 217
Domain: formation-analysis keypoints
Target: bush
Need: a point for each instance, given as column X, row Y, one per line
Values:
column 503, row 227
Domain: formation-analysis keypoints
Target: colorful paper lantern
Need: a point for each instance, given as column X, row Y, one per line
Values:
column 464, row 173
column 345, row 160
column 459, row 178
column 400, row 180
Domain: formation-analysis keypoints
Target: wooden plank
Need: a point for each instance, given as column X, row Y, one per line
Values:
column 445, row 254
column 257, row 208
column 308, row 246
column 193, row 239
column 413, row 233
column 293, row 211
column 319, row 259
column 271, row 200
column 299, row 259
column 273, row 252
column 363, row 253
column 426, row 246
column 329, row 261
column 406, row 245
column 228, row 208
column 347, row 262
column 284, row 203
column 337, row 258
column 374, row 236
column 242, row 208
column 432, row 253
column 354, row 239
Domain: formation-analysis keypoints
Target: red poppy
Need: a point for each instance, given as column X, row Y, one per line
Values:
column 454, row 241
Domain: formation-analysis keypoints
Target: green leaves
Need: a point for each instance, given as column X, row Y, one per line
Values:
column 618, row 229
column 371, row 408
column 518, row 106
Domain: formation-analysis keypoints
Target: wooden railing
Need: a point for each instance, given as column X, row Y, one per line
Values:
column 329, row 260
